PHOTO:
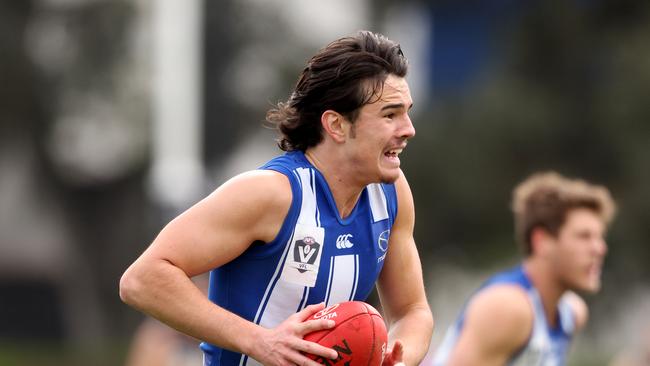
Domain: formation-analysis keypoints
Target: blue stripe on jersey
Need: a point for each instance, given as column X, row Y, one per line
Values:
column 276, row 277
column 329, row 281
column 256, row 286
column 356, row 277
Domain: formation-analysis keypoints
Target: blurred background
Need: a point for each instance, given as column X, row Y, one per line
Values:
column 117, row 115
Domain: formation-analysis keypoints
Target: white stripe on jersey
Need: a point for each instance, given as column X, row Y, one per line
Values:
column 245, row 360
column 343, row 279
column 377, row 202
column 308, row 210
column 282, row 298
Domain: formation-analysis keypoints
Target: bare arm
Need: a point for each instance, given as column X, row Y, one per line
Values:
column 401, row 288
column 216, row 230
column 498, row 322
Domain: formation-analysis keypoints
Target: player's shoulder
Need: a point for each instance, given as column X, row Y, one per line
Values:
column 502, row 312
column 265, row 187
column 401, row 179
column 263, row 176
column 402, row 188
column 507, row 299
column 578, row 307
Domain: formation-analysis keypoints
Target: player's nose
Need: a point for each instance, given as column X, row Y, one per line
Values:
column 407, row 129
column 600, row 247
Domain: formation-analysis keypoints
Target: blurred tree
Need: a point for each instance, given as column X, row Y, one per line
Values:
column 73, row 117
column 565, row 93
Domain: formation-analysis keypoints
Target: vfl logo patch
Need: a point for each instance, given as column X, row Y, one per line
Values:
column 343, row 241
column 304, row 255
column 305, row 251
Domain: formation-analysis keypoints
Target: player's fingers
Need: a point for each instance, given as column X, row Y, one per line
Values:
column 314, row 325
column 398, row 351
column 394, row 355
column 300, row 359
column 309, row 310
column 317, row 349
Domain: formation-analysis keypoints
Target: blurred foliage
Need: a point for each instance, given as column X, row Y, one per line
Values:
column 57, row 354
column 569, row 94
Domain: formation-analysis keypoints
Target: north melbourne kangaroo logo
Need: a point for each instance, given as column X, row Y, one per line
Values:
column 343, row 241
column 306, row 252
column 382, row 240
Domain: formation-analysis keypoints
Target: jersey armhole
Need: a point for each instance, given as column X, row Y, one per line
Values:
column 265, row 249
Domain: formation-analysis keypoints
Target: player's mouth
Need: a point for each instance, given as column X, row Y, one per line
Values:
column 594, row 270
column 393, row 155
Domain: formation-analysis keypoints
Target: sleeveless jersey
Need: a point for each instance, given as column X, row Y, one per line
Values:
column 316, row 257
column 546, row 346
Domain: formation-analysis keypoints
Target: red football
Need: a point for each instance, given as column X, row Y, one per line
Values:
column 359, row 335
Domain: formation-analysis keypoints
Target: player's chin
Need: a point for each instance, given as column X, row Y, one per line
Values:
column 595, row 286
column 591, row 286
column 592, row 290
column 389, row 176
column 389, row 180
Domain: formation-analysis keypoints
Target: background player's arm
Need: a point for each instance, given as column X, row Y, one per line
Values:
column 400, row 286
column 249, row 207
column 498, row 322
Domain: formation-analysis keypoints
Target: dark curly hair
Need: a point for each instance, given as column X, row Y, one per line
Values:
column 343, row 77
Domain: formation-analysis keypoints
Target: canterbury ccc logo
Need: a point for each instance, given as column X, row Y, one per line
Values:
column 343, row 241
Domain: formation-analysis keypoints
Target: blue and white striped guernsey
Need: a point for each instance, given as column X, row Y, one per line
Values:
column 546, row 346
column 317, row 256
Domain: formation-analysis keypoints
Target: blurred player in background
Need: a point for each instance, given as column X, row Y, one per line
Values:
column 156, row 344
column 318, row 225
column 528, row 315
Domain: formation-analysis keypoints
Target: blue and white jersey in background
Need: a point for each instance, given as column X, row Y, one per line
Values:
column 546, row 346
column 316, row 257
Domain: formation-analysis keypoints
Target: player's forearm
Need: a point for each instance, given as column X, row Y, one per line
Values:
column 414, row 330
column 164, row 292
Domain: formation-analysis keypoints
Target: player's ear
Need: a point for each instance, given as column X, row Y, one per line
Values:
column 540, row 241
column 333, row 124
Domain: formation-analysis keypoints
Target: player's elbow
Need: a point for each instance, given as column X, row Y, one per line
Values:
column 131, row 286
column 426, row 318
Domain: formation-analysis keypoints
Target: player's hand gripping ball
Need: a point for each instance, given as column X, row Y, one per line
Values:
column 359, row 336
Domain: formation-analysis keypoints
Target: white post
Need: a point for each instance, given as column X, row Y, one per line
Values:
column 177, row 169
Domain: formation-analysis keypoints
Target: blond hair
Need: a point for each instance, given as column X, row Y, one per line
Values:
column 544, row 199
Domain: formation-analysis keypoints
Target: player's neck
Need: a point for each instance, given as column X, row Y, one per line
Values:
column 550, row 290
column 345, row 190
